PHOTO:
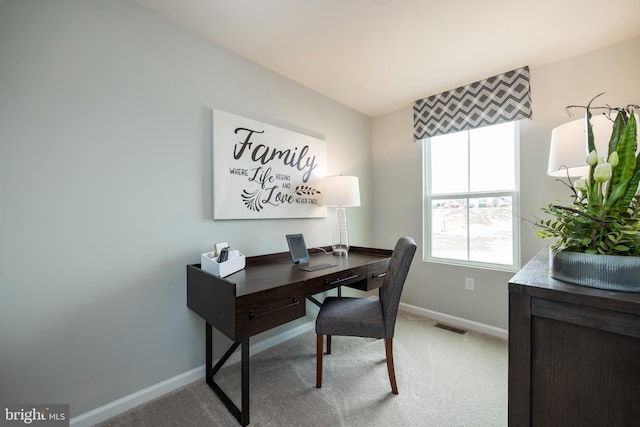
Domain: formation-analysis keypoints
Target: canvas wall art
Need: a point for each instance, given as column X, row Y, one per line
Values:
column 261, row 171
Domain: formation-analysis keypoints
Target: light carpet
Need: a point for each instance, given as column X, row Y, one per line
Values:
column 444, row 379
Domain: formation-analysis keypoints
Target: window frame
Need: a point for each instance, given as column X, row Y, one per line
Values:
column 427, row 214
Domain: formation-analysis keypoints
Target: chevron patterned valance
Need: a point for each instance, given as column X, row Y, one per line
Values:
column 498, row 99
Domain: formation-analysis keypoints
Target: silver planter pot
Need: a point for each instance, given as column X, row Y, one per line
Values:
column 612, row 272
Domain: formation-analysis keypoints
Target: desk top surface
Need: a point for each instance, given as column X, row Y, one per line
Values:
column 264, row 273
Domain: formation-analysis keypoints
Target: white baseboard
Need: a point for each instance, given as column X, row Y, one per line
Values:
column 138, row 398
column 456, row 321
column 125, row 403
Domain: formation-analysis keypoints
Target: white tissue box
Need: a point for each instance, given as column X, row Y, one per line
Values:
column 235, row 262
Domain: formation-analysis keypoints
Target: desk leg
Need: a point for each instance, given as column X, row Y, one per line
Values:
column 245, row 382
column 318, row 303
column 241, row 415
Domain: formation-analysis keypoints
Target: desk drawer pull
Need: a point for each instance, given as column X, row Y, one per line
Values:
column 335, row 282
column 374, row 276
column 253, row 315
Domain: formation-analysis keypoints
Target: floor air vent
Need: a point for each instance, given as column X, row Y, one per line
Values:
column 451, row 328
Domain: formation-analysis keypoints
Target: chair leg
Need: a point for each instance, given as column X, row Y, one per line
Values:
column 319, row 348
column 388, row 343
column 328, row 344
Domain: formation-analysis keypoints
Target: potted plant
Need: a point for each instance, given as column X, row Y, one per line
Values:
column 597, row 236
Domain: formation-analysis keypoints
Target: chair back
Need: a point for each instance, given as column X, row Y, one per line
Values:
column 391, row 289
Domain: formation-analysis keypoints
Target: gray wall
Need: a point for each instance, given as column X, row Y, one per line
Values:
column 398, row 178
column 106, row 194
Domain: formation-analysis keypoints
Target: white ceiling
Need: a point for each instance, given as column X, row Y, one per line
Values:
column 377, row 56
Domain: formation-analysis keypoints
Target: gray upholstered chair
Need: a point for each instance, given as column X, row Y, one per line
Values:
column 367, row 317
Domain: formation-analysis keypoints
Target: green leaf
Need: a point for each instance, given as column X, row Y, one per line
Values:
column 618, row 126
column 590, row 145
column 626, row 149
column 617, row 192
column 632, row 186
column 590, row 139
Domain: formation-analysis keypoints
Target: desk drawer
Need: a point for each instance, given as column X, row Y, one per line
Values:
column 331, row 281
column 376, row 273
column 261, row 311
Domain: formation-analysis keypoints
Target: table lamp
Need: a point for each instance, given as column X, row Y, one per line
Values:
column 568, row 150
column 340, row 191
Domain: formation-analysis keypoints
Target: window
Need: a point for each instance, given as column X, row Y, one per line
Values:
column 471, row 197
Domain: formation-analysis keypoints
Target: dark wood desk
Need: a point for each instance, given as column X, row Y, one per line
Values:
column 269, row 292
column 574, row 352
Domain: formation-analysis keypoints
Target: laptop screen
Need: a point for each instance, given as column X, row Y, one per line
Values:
column 297, row 248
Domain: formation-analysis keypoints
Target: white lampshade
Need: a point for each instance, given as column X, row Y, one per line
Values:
column 568, row 150
column 339, row 190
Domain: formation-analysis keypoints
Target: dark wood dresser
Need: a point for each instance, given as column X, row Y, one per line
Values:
column 574, row 352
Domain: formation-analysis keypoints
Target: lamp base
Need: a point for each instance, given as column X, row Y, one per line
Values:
column 340, row 250
column 340, row 233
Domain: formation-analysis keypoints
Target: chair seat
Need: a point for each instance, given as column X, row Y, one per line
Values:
column 358, row 317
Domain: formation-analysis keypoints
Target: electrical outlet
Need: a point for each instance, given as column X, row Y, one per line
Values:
column 468, row 284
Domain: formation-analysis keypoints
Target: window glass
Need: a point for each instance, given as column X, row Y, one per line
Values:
column 493, row 152
column 450, row 174
column 471, row 197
